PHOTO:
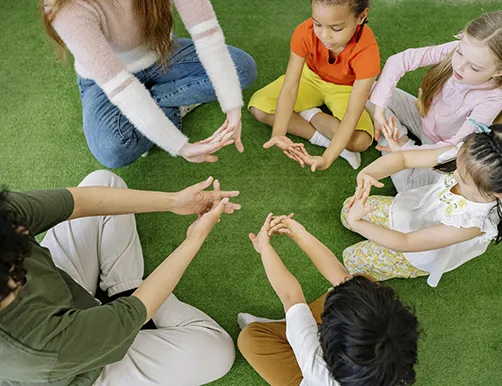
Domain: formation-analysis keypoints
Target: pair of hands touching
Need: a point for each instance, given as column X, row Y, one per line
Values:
column 358, row 207
column 390, row 130
column 229, row 133
column 297, row 152
column 275, row 225
column 207, row 205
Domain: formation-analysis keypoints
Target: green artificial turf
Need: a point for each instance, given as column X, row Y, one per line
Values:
column 43, row 146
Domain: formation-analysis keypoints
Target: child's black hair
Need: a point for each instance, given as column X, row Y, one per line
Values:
column 14, row 247
column 483, row 163
column 368, row 337
column 357, row 7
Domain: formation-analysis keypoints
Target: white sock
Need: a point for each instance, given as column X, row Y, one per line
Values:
column 354, row 159
column 309, row 113
column 319, row 140
column 244, row 319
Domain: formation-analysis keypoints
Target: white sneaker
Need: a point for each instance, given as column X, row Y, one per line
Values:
column 186, row 109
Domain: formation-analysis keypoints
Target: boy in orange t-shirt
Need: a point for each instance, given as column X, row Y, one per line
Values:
column 334, row 61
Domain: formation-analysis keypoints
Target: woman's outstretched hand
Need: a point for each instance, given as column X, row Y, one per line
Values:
column 202, row 151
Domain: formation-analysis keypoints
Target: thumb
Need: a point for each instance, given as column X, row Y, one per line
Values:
column 378, row 184
column 313, row 168
column 210, row 158
column 252, row 236
column 220, row 208
column 269, row 143
column 204, row 184
column 383, row 149
column 239, row 145
column 377, row 134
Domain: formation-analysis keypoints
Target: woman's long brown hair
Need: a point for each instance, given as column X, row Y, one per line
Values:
column 488, row 29
column 155, row 15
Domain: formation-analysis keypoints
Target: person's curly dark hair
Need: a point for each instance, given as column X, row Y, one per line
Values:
column 14, row 248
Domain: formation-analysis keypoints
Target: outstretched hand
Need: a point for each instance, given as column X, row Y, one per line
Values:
column 359, row 209
column 391, row 134
column 364, row 184
column 195, row 200
column 205, row 223
column 285, row 225
column 235, row 124
column 305, row 159
column 262, row 239
column 202, row 151
column 281, row 142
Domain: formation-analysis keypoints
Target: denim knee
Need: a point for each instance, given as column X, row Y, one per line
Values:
column 246, row 66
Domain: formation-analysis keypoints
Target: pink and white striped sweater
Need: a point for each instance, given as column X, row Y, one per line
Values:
column 108, row 45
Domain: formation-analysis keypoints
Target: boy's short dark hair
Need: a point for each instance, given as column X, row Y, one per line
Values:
column 368, row 337
column 14, row 247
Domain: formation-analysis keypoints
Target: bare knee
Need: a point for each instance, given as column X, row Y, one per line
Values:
column 262, row 116
column 359, row 142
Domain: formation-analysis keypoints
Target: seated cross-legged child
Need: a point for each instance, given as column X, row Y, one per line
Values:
column 463, row 207
column 334, row 61
column 464, row 82
column 358, row 334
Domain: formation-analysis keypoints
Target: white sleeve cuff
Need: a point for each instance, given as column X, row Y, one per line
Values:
column 136, row 103
column 216, row 60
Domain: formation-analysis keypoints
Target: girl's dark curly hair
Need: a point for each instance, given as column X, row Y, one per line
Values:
column 482, row 155
column 14, row 248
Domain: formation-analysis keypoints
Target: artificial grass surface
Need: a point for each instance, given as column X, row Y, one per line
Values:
column 43, row 146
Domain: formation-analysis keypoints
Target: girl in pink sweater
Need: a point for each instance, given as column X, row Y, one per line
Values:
column 137, row 80
column 465, row 82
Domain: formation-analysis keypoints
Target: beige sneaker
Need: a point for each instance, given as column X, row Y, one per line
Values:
column 186, row 109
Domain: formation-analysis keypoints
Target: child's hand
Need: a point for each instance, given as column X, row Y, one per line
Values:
column 282, row 142
column 205, row 223
column 379, row 120
column 364, row 184
column 304, row 158
column 359, row 209
column 391, row 134
column 262, row 240
column 285, row 225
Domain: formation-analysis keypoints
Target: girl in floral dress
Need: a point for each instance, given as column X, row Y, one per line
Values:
column 431, row 229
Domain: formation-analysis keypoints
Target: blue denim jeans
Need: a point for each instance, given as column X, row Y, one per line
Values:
column 113, row 140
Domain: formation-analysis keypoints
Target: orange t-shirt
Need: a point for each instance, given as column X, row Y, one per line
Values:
column 357, row 61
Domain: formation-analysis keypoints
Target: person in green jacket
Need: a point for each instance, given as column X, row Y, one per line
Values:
column 52, row 328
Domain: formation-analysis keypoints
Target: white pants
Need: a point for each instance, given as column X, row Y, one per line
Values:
column 188, row 347
column 402, row 107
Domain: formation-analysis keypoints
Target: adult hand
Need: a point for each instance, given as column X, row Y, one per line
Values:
column 235, row 123
column 194, row 200
column 262, row 240
column 201, row 151
column 364, row 184
column 205, row 223
column 359, row 209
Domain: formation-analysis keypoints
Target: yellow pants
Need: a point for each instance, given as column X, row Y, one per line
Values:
column 371, row 258
column 312, row 92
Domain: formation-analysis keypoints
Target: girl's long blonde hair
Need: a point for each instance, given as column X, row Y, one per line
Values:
column 155, row 16
column 488, row 29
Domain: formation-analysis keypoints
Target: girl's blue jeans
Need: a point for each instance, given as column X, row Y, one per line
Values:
column 113, row 140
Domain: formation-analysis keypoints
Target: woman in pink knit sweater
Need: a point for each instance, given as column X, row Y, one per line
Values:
column 465, row 82
column 137, row 80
